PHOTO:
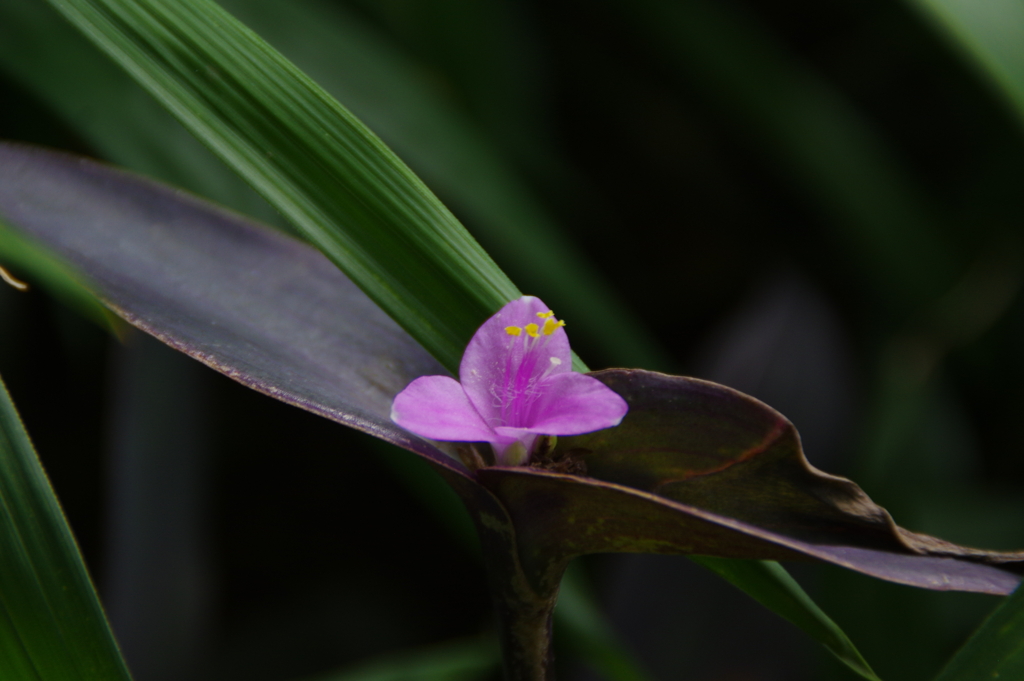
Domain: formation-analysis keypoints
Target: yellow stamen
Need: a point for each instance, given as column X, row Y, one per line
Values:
column 514, row 330
column 545, row 315
column 550, row 326
column 7, row 278
column 532, row 330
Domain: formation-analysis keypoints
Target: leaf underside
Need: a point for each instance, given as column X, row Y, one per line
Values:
column 726, row 459
column 264, row 309
column 694, row 468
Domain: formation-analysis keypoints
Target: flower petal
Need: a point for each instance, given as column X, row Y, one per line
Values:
column 493, row 357
column 436, row 407
column 573, row 404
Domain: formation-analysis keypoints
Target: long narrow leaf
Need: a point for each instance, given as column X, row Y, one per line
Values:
column 769, row 584
column 51, row 623
column 447, row 149
column 991, row 33
column 258, row 306
column 110, row 113
column 996, row 650
column 315, row 162
column 401, row 102
column 394, row 97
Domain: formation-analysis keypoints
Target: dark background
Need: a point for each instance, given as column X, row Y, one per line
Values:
column 816, row 202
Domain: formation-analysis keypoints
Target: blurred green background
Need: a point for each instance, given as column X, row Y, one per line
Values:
column 816, row 203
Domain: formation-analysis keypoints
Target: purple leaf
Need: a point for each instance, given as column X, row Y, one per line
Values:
column 709, row 455
column 694, row 467
column 260, row 307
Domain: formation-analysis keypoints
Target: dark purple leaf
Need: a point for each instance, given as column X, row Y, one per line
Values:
column 731, row 471
column 260, row 307
column 694, row 468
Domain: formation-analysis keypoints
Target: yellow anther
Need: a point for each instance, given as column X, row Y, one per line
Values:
column 514, row 330
column 550, row 326
column 545, row 315
column 532, row 330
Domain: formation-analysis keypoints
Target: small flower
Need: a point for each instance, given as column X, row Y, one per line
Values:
column 517, row 384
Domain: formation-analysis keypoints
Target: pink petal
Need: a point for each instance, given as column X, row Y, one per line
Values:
column 493, row 357
column 572, row 404
column 436, row 407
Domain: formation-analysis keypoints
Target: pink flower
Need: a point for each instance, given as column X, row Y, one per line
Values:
column 516, row 384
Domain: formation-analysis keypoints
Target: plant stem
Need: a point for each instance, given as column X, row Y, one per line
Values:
column 524, row 603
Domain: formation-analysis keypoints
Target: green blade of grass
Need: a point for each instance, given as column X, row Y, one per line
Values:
column 401, row 102
column 769, row 584
column 159, row 65
column 338, row 184
column 51, row 623
column 110, row 113
column 996, row 650
column 383, row 88
column 991, row 34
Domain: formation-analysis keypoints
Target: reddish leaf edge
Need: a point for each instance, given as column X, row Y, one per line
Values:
column 922, row 561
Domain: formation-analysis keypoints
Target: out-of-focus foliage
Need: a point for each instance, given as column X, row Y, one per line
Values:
column 455, row 661
column 667, row 161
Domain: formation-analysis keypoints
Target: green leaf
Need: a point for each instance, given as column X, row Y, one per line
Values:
column 51, row 622
column 37, row 265
column 996, row 650
column 338, row 184
column 280, row 310
column 378, row 84
column 288, row 323
column 402, row 103
column 108, row 110
column 991, row 34
column 454, row 661
column 770, row 585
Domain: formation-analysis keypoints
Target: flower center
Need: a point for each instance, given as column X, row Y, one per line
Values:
column 526, row 366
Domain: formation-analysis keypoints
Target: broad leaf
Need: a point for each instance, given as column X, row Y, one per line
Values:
column 718, row 456
column 694, row 468
column 403, row 104
column 51, row 623
column 261, row 307
column 388, row 92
